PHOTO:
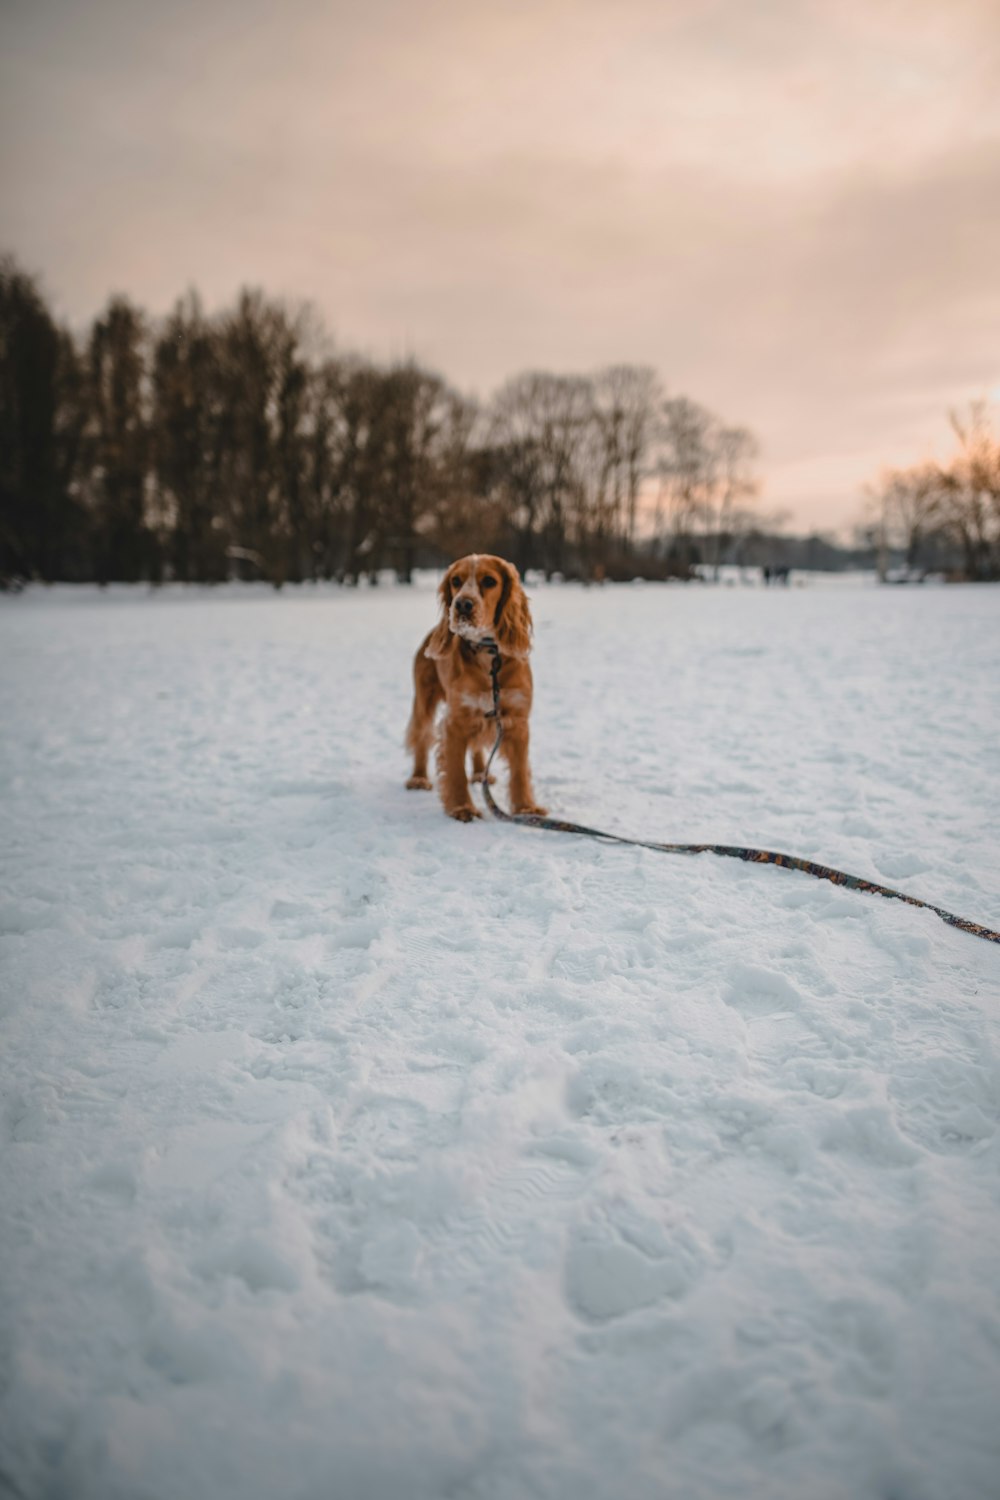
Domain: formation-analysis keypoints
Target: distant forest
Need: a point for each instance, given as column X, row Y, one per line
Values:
column 242, row 443
column 202, row 447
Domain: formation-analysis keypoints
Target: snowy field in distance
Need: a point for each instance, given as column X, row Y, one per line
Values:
column 350, row 1153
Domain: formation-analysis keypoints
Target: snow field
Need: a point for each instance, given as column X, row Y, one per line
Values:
column 350, row 1152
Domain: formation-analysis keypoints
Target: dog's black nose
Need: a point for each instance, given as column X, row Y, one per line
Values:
column 463, row 608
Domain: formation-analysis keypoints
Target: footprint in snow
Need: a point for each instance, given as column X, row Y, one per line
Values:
column 869, row 1134
column 947, row 1104
column 760, row 992
column 403, row 1248
column 394, row 1128
column 607, row 1276
column 513, row 1219
column 769, row 1410
column 606, row 1091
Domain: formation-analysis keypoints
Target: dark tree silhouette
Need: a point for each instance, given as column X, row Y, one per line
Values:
column 240, row 443
column 116, row 440
column 187, row 444
column 42, row 528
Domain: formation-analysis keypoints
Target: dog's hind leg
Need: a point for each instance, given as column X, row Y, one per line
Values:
column 427, row 694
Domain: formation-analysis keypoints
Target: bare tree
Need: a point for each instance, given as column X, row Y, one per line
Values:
column 541, row 436
column 972, row 492
column 626, row 399
column 117, row 438
column 929, row 511
column 910, row 505
column 516, row 467
column 736, row 487
column 706, row 480
column 687, row 463
column 456, row 514
column 325, row 440
column 423, row 457
column 187, row 443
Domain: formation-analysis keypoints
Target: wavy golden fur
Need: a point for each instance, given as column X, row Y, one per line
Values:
column 481, row 599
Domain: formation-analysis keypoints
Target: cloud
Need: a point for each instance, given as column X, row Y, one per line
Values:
column 790, row 209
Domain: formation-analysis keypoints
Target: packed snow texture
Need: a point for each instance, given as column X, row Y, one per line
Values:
column 351, row 1153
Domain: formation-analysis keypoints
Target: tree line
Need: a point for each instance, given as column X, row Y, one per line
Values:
column 201, row 446
column 945, row 517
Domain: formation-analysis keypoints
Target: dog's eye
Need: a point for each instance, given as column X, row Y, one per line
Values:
column 456, row 583
column 488, row 582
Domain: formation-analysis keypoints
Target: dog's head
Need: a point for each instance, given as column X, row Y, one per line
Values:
column 482, row 598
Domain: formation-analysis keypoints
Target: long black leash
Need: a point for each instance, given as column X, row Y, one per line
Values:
column 729, row 851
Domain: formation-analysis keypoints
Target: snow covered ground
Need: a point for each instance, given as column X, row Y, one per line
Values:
column 350, row 1153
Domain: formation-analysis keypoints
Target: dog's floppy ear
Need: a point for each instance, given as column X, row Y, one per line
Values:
column 512, row 620
column 440, row 638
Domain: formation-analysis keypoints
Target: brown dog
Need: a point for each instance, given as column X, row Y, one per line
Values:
column 481, row 600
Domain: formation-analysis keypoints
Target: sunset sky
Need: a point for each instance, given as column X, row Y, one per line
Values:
column 791, row 210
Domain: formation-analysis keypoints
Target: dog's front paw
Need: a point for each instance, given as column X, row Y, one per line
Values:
column 478, row 777
column 529, row 809
column 464, row 813
column 419, row 784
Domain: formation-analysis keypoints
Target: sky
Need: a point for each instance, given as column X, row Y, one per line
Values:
column 790, row 210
